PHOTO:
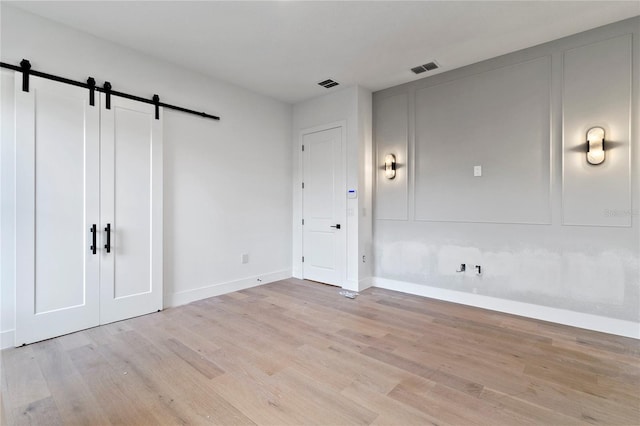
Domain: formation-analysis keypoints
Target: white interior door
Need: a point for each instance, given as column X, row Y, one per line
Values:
column 324, row 233
column 131, row 188
column 57, row 203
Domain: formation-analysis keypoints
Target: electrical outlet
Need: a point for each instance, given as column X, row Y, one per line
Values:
column 364, row 259
column 244, row 258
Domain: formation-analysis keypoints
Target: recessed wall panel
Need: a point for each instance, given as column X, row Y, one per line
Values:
column 391, row 117
column 497, row 120
column 59, row 201
column 132, row 237
column 597, row 92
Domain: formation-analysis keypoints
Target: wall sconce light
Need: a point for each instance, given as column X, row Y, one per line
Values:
column 595, row 145
column 390, row 166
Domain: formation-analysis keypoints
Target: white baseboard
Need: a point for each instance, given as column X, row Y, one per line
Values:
column 361, row 285
column 7, row 339
column 545, row 313
column 188, row 296
column 296, row 272
column 350, row 285
column 365, row 283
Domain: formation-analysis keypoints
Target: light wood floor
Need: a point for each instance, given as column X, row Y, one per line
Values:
column 296, row 352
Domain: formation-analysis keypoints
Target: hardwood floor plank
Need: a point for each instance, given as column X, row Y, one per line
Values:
column 39, row 412
column 75, row 403
column 73, row 340
column 391, row 411
column 259, row 401
column 111, row 387
column 313, row 398
column 23, row 380
column 3, row 410
column 201, row 364
column 416, row 399
column 183, row 391
column 525, row 411
column 295, row 352
column 379, row 376
column 429, row 373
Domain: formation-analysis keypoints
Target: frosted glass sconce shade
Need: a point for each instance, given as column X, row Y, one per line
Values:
column 390, row 166
column 595, row 145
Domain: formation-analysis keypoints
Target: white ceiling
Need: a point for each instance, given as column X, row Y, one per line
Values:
column 282, row 49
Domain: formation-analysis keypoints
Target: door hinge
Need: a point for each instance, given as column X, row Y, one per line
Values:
column 302, row 259
column 302, row 185
column 303, row 221
column 303, row 147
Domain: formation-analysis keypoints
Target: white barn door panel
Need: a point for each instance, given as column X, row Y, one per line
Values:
column 57, row 204
column 82, row 170
column 131, row 196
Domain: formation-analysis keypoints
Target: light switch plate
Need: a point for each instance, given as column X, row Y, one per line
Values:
column 477, row 171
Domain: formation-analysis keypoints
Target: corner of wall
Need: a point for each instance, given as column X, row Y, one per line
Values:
column 7, row 339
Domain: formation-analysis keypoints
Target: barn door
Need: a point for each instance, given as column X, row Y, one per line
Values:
column 57, row 210
column 131, row 213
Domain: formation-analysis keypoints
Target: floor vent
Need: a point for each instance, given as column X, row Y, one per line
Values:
column 328, row 83
column 426, row 67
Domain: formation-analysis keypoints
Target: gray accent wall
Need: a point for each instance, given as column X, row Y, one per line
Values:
column 597, row 92
column 547, row 227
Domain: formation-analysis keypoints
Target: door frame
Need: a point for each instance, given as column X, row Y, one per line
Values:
column 342, row 124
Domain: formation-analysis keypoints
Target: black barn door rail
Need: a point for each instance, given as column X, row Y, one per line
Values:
column 25, row 69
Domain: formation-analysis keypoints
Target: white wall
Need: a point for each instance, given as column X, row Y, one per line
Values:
column 510, row 220
column 365, row 183
column 353, row 106
column 226, row 184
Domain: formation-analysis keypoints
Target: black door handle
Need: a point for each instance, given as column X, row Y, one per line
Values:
column 93, row 230
column 336, row 226
column 108, row 245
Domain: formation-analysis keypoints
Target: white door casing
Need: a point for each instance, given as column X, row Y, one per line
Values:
column 57, row 202
column 131, row 196
column 323, row 205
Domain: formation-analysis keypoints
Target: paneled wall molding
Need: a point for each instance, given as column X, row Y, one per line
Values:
column 391, row 132
column 498, row 121
column 391, row 203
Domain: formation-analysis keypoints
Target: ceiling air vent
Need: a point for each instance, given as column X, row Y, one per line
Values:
column 328, row 83
column 426, row 67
